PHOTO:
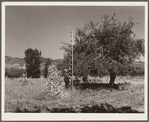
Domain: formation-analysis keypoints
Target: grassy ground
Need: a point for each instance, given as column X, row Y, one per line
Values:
column 19, row 95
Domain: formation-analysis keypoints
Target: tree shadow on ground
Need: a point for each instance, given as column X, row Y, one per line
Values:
column 103, row 108
column 97, row 86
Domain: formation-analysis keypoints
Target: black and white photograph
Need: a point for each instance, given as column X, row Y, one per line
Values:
column 74, row 61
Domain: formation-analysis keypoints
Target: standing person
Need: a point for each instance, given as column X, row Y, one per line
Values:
column 66, row 78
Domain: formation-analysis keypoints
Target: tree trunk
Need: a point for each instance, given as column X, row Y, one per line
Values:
column 84, row 78
column 112, row 78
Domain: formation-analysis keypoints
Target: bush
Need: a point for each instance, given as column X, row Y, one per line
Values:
column 14, row 72
column 137, row 71
column 45, row 71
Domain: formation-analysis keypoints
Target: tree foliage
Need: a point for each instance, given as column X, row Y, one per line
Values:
column 67, row 55
column 108, row 47
column 32, row 60
column 47, row 63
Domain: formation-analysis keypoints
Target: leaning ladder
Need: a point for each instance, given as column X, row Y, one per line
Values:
column 71, row 68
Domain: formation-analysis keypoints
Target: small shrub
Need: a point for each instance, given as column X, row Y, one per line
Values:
column 14, row 72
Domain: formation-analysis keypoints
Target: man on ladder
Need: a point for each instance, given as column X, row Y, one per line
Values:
column 68, row 73
column 66, row 78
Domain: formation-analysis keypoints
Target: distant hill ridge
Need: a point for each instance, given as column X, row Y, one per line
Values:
column 15, row 60
column 20, row 61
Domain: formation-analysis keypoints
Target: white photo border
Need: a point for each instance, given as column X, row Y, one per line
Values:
column 72, row 116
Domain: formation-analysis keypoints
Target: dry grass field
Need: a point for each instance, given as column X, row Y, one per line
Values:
column 22, row 97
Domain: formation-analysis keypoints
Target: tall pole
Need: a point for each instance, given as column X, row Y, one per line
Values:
column 72, row 56
column 71, row 65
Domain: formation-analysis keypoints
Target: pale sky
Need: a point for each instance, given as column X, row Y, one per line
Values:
column 45, row 27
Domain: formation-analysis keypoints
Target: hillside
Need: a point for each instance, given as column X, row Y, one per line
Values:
column 20, row 61
column 139, row 64
column 13, row 61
